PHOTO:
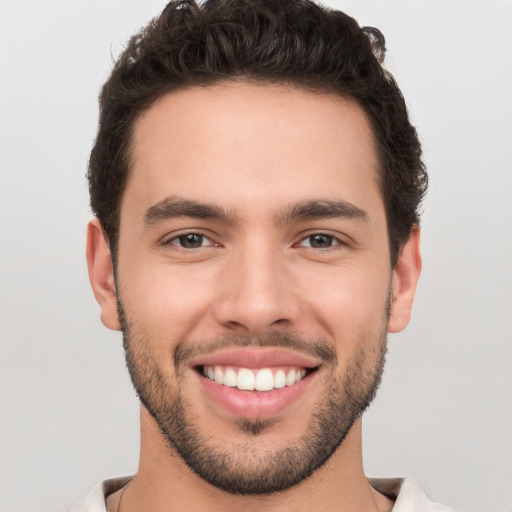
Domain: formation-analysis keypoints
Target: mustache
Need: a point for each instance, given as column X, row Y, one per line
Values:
column 318, row 348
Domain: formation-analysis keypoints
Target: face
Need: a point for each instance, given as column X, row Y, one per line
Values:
column 254, row 284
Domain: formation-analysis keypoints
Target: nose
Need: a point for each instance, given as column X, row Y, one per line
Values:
column 257, row 294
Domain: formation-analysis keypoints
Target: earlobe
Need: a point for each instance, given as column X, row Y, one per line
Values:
column 404, row 281
column 101, row 274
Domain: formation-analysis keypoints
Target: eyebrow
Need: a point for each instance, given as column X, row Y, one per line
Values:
column 174, row 207
column 320, row 209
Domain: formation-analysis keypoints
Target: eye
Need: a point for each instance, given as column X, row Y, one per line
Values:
column 191, row 241
column 319, row 241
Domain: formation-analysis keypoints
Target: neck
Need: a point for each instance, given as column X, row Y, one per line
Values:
column 165, row 483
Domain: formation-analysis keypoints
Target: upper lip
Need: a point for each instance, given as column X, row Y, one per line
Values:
column 259, row 357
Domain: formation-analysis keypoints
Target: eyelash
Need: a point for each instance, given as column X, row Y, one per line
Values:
column 334, row 240
column 203, row 236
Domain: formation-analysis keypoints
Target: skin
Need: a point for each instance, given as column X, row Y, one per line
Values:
column 255, row 151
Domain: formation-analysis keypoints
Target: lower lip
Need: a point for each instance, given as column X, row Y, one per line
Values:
column 254, row 404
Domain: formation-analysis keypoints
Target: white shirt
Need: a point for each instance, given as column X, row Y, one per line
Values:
column 405, row 491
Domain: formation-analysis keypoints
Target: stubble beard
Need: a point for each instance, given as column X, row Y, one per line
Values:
column 245, row 468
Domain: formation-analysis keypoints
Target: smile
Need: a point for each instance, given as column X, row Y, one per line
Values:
column 255, row 382
column 251, row 379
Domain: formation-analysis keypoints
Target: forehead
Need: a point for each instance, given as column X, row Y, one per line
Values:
column 247, row 144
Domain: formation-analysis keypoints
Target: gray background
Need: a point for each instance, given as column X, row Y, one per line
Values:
column 68, row 416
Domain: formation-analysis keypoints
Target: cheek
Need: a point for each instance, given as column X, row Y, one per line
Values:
column 164, row 302
column 350, row 300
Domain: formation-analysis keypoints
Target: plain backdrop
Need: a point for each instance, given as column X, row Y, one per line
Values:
column 68, row 415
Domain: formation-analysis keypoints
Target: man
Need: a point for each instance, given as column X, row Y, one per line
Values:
column 256, row 184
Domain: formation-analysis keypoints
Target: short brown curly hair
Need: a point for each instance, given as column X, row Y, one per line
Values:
column 265, row 41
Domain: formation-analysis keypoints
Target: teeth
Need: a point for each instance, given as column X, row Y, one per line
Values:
column 280, row 379
column 264, row 380
column 249, row 380
column 245, row 379
column 230, row 378
column 218, row 375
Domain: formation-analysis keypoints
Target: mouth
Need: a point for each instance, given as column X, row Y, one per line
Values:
column 255, row 383
column 254, row 379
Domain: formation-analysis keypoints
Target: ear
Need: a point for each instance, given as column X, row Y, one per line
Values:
column 403, row 282
column 101, row 274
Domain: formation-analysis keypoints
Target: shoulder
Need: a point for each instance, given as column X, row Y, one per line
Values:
column 95, row 501
column 408, row 495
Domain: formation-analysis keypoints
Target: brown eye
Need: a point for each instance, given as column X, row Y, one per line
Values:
column 191, row 241
column 318, row 241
